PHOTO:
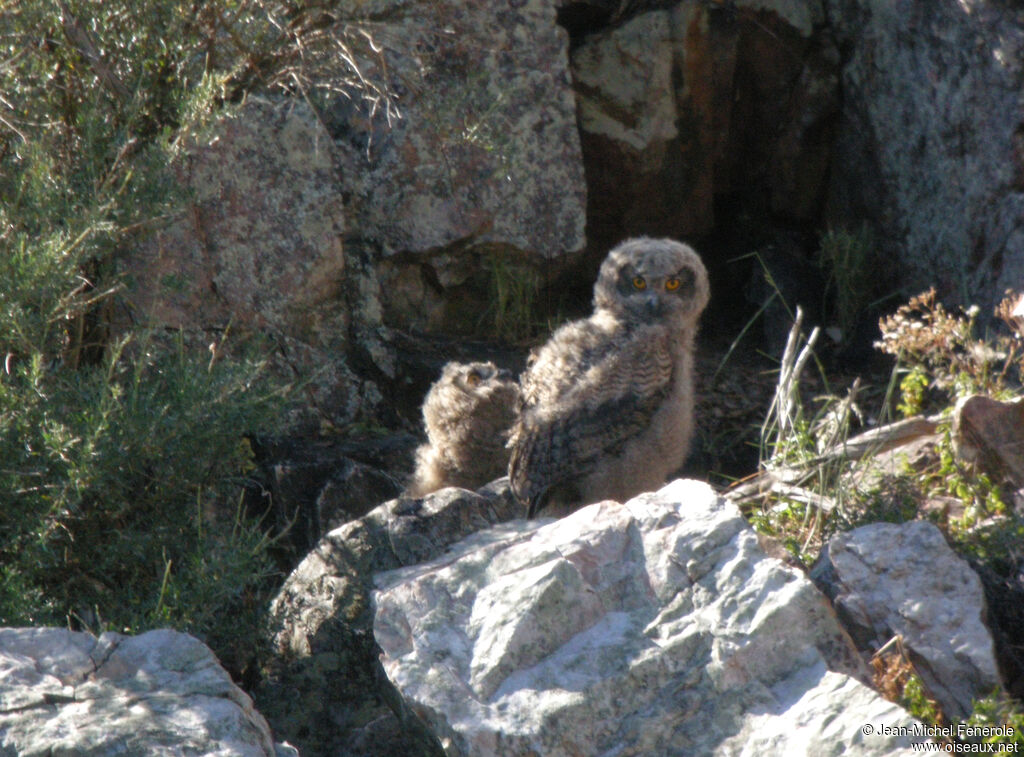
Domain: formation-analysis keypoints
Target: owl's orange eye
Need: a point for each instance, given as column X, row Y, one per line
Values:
column 473, row 378
column 639, row 283
column 672, row 284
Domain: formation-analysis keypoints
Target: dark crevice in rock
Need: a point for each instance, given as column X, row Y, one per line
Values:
column 314, row 485
column 1004, row 597
column 756, row 107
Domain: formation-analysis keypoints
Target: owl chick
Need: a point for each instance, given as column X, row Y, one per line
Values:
column 606, row 407
column 467, row 413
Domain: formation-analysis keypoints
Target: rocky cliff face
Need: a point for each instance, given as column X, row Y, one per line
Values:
column 680, row 108
column 517, row 145
column 929, row 146
column 482, row 164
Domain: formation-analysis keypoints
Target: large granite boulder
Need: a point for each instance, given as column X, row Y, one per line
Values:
column 481, row 166
column 324, row 691
column 258, row 248
column 162, row 693
column 484, row 149
column 658, row 626
column 930, row 146
column 887, row 579
column 321, row 226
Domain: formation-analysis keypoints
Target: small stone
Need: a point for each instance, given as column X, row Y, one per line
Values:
column 990, row 434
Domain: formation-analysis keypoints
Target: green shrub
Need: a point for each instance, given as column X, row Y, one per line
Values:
column 1001, row 717
column 123, row 457
column 119, row 482
column 915, row 698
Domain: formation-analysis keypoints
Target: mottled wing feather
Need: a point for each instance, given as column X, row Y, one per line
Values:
column 598, row 412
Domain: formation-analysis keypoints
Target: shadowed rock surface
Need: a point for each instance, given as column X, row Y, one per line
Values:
column 325, row 690
column 681, row 107
column 929, row 145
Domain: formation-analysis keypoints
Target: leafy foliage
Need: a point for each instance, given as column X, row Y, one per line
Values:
column 813, row 492
column 915, row 698
column 1001, row 717
column 938, row 352
column 111, row 473
column 122, row 455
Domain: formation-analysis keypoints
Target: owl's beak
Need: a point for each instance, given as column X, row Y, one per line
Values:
column 653, row 306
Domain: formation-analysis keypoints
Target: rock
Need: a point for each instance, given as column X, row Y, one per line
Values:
column 323, row 691
column 312, row 486
column 987, row 434
column 259, row 249
column 1004, row 596
column 160, row 693
column 326, row 239
column 990, row 434
column 486, row 149
column 679, row 108
column 654, row 627
column 261, row 239
column 399, row 532
column 629, row 128
column 383, row 737
column 483, row 163
column 887, row 579
column 351, row 490
column 1015, row 315
column 930, row 145
column 817, row 714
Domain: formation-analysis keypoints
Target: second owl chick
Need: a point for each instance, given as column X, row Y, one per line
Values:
column 467, row 414
column 607, row 404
